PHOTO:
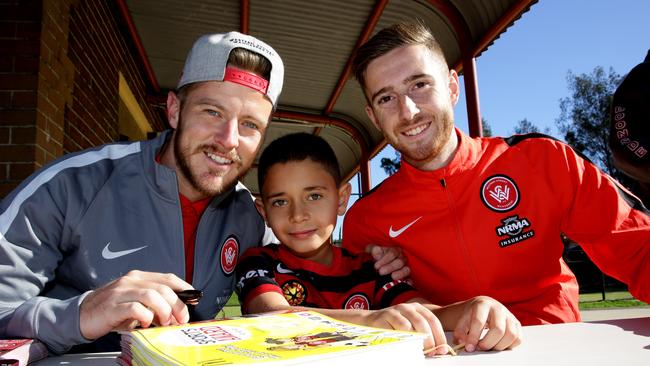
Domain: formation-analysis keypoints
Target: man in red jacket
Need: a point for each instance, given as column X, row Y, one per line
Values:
column 484, row 216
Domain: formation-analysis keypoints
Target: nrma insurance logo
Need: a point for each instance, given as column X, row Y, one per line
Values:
column 515, row 230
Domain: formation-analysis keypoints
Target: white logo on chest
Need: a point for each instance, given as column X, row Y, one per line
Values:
column 109, row 254
column 395, row 233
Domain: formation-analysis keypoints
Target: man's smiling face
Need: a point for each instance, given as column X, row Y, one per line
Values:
column 219, row 129
column 412, row 94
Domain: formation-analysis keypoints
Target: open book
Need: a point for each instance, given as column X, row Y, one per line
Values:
column 293, row 338
column 20, row 352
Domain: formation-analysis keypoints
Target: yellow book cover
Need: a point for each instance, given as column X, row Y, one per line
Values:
column 293, row 338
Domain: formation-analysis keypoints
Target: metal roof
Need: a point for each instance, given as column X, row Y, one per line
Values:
column 315, row 40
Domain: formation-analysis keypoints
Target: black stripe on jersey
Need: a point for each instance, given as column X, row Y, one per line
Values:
column 254, row 263
column 340, row 284
column 370, row 191
column 397, row 290
column 515, row 139
column 388, row 296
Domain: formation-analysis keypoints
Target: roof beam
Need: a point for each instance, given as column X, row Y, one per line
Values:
column 468, row 59
column 464, row 38
column 514, row 12
column 244, row 16
column 135, row 37
column 371, row 23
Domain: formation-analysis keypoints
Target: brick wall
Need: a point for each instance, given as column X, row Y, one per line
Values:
column 20, row 33
column 56, row 74
column 59, row 76
column 99, row 49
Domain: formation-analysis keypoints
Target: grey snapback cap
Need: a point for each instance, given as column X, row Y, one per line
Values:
column 208, row 58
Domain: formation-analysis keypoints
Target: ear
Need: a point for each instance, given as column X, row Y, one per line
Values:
column 454, row 87
column 173, row 109
column 344, row 196
column 259, row 205
column 371, row 114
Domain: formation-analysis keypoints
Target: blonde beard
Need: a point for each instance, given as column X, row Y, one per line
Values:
column 182, row 156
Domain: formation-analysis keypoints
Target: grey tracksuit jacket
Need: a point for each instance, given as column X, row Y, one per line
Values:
column 91, row 217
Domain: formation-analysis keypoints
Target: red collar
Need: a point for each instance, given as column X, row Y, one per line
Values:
column 467, row 155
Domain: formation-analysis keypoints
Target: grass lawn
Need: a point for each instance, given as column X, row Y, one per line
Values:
column 231, row 309
column 616, row 299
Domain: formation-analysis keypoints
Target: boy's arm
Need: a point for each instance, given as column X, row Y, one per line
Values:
column 469, row 318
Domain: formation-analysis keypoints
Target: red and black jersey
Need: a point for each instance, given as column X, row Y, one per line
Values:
column 489, row 223
column 350, row 282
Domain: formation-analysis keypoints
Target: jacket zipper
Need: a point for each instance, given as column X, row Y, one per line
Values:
column 459, row 234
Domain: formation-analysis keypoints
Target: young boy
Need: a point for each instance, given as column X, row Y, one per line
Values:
column 301, row 195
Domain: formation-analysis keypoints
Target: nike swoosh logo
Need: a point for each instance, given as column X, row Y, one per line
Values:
column 108, row 254
column 281, row 269
column 395, row 233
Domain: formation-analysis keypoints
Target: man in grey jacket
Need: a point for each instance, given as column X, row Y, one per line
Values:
column 91, row 243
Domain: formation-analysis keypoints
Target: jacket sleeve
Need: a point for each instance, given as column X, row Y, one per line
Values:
column 32, row 222
column 611, row 225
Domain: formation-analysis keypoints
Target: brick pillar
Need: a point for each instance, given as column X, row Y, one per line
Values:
column 20, row 34
column 36, row 78
column 55, row 82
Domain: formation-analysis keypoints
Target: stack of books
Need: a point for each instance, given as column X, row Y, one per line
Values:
column 293, row 338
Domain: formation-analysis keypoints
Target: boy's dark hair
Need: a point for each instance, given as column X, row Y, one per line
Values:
column 298, row 147
column 390, row 38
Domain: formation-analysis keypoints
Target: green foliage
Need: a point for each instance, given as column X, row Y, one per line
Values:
column 391, row 166
column 487, row 130
column 525, row 126
column 584, row 116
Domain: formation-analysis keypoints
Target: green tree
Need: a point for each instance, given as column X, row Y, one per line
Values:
column 391, row 166
column 525, row 126
column 584, row 116
column 487, row 130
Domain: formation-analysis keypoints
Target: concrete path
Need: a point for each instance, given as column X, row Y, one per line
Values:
column 617, row 313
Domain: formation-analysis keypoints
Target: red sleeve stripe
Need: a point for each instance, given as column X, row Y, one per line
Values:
column 261, row 289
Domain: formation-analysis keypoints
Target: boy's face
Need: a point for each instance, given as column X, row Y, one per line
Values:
column 300, row 202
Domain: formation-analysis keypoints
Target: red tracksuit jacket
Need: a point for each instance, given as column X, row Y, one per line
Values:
column 489, row 223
